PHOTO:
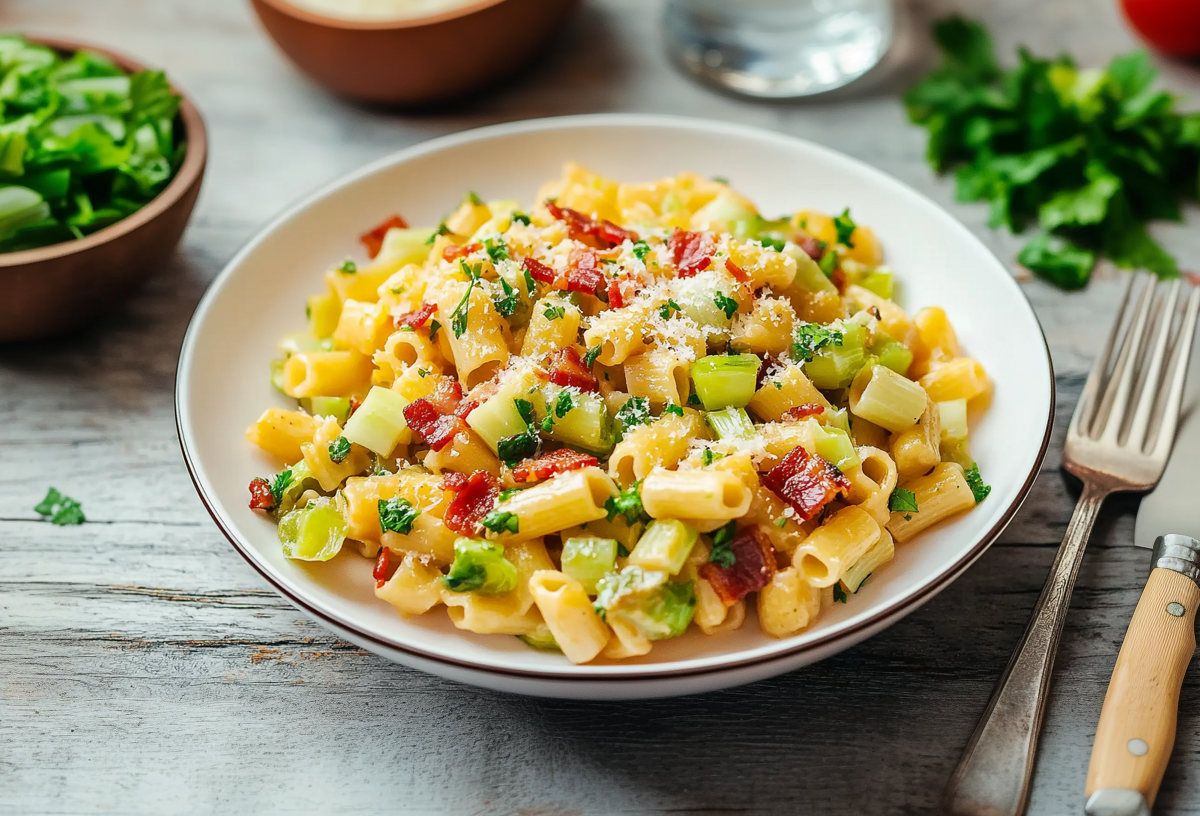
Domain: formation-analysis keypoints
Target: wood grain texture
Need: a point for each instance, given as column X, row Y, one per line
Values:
column 1143, row 695
column 145, row 669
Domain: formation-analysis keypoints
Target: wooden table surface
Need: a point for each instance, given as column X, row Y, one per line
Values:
column 144, row 668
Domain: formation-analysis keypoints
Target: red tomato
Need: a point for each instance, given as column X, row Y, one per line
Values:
column 1170, row 26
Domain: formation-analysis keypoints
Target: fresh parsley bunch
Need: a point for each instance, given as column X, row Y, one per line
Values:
column 1087, row 155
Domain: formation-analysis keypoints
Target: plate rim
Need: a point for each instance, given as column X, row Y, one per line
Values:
column 895, row 611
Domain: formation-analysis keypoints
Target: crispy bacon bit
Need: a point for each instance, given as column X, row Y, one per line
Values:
column 583, row 272
column 260, row 494
column 373, row 239
column 580, row 226
column 801, row 411
column 354, row 403
column 753, row 567
column 453, row 252
column 813, row 247
column 616, row 293
column 472, row 501
column 439, row 417
column 551, row 464
column 806, row 482
column 417, row 319
column 738, row 273
column 838, row 278
column 692, row 251
column 453, row 480
column 538, row 270
column 567, row 369
column 380, row 573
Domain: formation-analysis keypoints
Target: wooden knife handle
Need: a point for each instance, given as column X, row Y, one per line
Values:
column 1137, row 724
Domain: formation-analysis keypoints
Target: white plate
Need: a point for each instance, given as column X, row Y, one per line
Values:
column 223, row 385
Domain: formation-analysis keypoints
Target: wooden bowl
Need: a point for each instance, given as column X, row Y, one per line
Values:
column 56, row 288
column 414, row 61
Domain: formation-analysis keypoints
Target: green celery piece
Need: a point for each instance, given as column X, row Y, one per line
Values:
column 655, row 606
column 891, row 354
column 730, row 423
column 834, row 445
column 879, row 281
column 541, row 639
column 724, row 380
column 337, row 407
column 277, row 379
column 480, row 567
column 835, row 366
column 587, row 425
column 587, row 559
column 314, row 532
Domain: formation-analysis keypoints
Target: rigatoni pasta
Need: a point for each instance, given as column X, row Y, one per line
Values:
column 630, row 409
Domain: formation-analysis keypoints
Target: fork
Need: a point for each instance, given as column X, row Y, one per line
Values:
column 1119, row 439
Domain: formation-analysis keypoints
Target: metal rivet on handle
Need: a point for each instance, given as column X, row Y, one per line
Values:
column 1137, row 747
column 1176, row 609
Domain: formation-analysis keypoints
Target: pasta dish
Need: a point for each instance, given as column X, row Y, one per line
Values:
column 630, row 408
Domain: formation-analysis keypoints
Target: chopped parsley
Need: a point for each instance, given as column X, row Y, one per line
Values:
column 709, row 456
column 563, row 404
column 505, row 495
column 635, row 411
column 458, row 318
column 839, row 594
column 530, row 283
column 726, row 304
column 339, row 449
column 521, row 218
column 525, row 409
column 589, row 358
column 666, row 309
column 547, row 423
column 694, row 399
column 474, row 198
column 442, row 229
column 780, row 522
column 513, row 449
column 978, row 489
column 721, row 180
column 622, row 550
column 507, row 304
column 776, row 244
column 279, row 483
column 673, row 409
column 433, row 329
column 422, row 373
column 809, row 338
column 501, row 521
column 554, row 311
column 641, row 249
column 845, row 227
column 902, row 500
column 722, row 550
column 628, row 505
column 496, row 249
column 397, row 515
column 348, row 267
column 59, row 509
column 398, row 290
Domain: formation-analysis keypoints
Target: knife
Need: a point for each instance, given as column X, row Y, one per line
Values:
column 1137, row 724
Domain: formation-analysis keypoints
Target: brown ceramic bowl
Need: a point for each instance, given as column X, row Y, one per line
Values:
column 56, row 288
column 414, row 61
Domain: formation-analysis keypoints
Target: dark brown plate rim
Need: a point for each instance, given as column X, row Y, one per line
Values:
column 316, row 18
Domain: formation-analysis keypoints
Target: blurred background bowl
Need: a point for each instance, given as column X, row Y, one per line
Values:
column 419, row 60
column 60, row 287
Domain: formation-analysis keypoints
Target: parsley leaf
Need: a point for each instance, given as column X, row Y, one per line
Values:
column 1058, row 261
column 59, row 509
column 458, row 318
column 694, row 399
column 672, row 408
column 722, row 550
column 442, row 229
column 628, row 505
column 474, row 198
column 508, row 303
column 563, row 404
column 348, row 267
column 902, row 500
column 709, row 456
column 501, row 521
column 513, row 449
column 845, row 227
column 635, row 411
column 978, row 489
column 665, row 310
column 780, row 522
column 809, row 338
column 530, row 283
column 839, row 594
column 525, row 409
column 397, row 515
column 521, row 218
column 280, row 483
column 589, row 358
column 726, row 304
column 768, row 242
column 641, row 249
column 433, row 329
column 505, row 495
column 496, row 249
column 554, row 311
column 547, row 423
column 339, row 449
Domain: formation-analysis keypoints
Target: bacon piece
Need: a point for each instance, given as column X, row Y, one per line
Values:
column 551, row 464
column 580, row 226
column 583, row 272
column 472, row 501
column 454, row 481
column 380, row 573
column 373, row 239
column 753, row 567
column 616, row 293
column 838, row 278
column 538, row 270
column 439, row 417
column 454, row 252
column 354, row 403
column 806, row 482
column 738, row 273
column 801, row 411
column 417, row 319
column 261, row 497
column 813, row 247
column 692, row 251
column 566, row 368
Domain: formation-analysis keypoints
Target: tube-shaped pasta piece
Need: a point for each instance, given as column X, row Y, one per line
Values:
column 784, row 391
column 960, row 378
column 659, row 375
column 554, row 324
column 939, row 495
column 883, row 551
column 766, row 267
column 697, row 494
column 887, row 399
column 363, row 283
column 619, row 333
column 511, row 614
column 767, row 329
column 872, row 483
column 568, row 613
column 363, row 327
column 363, row 494
column 417, row 381
column 788, row 604
column 918, row 449
column 562, row 501
column 466, row 453
column 663, row 442
column 935, row 341
column 894, row 320
column 330, row 474
column 429, row 538
column 867, row 433
column 281, row 433
column 627, row 641
column 834, row 546
column 414, row 588
column 481, row 348
column 405, row 348
column 326, row 374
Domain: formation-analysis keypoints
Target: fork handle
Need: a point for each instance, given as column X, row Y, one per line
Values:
column 992, row 778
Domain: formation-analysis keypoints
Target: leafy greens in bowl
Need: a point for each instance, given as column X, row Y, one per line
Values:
column 83, row 143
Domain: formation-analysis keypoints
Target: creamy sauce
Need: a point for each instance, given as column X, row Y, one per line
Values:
column 380, row 9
